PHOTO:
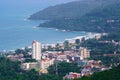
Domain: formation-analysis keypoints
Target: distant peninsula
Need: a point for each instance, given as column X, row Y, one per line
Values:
column 85, row 15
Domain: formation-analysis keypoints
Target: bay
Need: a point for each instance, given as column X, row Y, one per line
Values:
column 17, row 32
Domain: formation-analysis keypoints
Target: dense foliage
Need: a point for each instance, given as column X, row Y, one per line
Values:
column 70, row 10
column 112, row 36
column 63, row 69
column 10, row 70
column 24, row 52
column 98, row 47
column 105, row 45
column 101, row 19
column 107, row 60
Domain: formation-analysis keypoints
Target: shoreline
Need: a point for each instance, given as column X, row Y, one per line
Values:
column 63, row 30
column 88, row 36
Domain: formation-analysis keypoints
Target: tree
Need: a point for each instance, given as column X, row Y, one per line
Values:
column 63, row 69
column 77, row 42
column 66, row 45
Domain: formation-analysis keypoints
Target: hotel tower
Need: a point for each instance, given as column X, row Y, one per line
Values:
column 36, row 50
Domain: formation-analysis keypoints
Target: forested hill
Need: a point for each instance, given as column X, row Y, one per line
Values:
column 101, row 19
column 74, row 9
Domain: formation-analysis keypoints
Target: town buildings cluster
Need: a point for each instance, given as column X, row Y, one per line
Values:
column 88, row 68
column 48, row 58
column 44, row 59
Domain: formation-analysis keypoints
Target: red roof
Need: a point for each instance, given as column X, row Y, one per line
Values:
column 75, row 75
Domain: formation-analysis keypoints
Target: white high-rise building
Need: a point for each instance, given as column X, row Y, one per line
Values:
column 36, row 50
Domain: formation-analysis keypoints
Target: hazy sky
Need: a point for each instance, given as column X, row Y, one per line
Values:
column 24, row 5
column 31, row 2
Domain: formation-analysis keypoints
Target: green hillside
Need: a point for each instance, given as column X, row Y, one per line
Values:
column 101, row 19
column 70, row 10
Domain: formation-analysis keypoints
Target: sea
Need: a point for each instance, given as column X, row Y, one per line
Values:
column 16, row 31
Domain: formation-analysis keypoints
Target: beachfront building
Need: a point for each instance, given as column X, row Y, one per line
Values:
column 36, row 50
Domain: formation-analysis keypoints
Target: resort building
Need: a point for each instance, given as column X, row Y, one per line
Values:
column 36, row 50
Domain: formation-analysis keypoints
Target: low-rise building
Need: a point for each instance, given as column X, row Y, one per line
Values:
column 86, row 71
column 84, row 53
column 28, row 66
column 71, row 76
column 61, row 57
column 45, row 63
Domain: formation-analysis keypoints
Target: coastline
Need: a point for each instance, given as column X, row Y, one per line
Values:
column 88, row 36
column 64, row 30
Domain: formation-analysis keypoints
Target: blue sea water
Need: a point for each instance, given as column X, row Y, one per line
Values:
column 17, row 32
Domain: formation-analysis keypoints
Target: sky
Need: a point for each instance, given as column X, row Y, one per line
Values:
column 23, row 5
column 31, row 2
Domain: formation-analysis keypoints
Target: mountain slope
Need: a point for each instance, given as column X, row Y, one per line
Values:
column 101, row 19
column 70, row 10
